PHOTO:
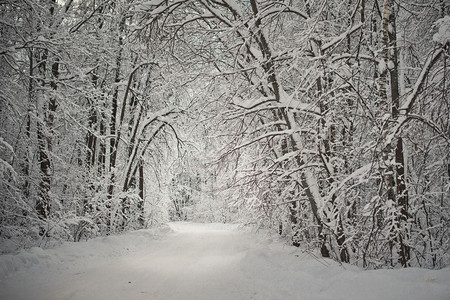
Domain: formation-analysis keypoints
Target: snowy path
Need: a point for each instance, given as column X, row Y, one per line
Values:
column 201, row 261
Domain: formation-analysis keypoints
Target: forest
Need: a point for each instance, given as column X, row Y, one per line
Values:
column 326, row 122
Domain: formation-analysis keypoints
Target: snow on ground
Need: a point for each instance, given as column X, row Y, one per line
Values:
column 201, row 261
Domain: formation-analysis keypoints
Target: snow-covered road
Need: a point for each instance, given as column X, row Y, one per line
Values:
column 201, row 261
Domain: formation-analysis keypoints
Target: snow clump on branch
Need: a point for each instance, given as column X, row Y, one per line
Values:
column 443, row 34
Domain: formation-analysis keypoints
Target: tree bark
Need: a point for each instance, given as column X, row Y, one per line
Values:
column 394, row 156
column 140, row 205
column 113, row 125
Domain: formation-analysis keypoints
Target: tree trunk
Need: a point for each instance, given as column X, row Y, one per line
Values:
column 141, row 218
column 400, row 180
column 113, row 125
column 395, row 174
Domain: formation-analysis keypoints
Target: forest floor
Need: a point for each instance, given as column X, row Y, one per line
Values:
column 201, row 261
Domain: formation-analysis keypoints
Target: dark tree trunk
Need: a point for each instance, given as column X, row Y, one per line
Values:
column 43, row 201
column 141, row 202
column 293, row 216
column 92, row 122
column 400, row 180
column 113, row 125
column 31, row 101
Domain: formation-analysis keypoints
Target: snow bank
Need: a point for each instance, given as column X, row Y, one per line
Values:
column 301, row 276
column 100, row 248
